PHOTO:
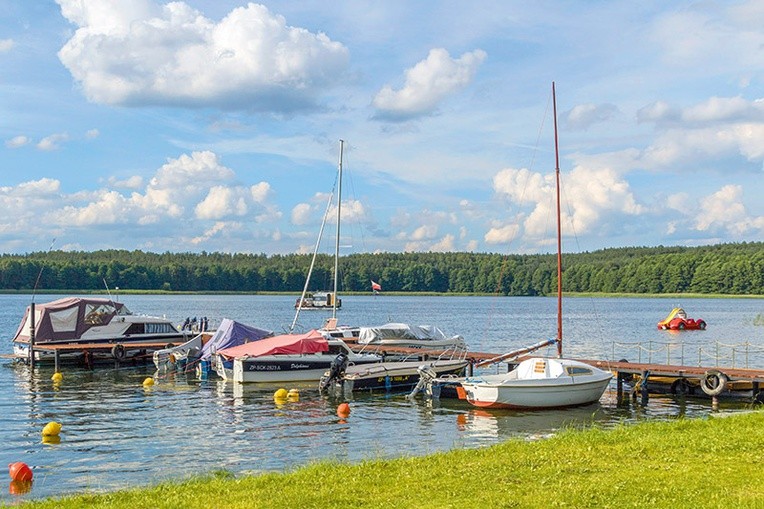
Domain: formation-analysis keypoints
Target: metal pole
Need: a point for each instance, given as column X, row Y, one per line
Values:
column 337, row 241
column 31, row 335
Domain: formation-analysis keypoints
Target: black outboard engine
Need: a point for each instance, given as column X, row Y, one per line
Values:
column 335, row 373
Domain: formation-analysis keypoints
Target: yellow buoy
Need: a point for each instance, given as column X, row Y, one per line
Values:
column 293, row 395
column 280, row 394
column 51, row 429
column 57, row 377
column 148, row 382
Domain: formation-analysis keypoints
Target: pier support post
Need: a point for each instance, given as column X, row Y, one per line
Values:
column 31, row 335
column 618, row 385
column 56, row 356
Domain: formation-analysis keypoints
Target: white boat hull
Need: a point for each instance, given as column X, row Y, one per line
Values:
column 532, row 394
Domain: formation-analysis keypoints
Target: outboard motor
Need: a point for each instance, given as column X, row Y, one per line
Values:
column 426, row 376
column 335, row 373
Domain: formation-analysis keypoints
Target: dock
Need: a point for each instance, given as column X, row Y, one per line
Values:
column 119, row 351
column 642, row 377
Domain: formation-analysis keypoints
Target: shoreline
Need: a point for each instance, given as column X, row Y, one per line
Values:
column 703, row 462
column 398, row 294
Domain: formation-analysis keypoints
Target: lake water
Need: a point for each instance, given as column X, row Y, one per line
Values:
column 118, row 434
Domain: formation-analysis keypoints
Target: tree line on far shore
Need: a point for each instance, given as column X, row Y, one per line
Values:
column 719, row 269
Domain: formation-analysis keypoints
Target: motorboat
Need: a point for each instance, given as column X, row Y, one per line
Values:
column 388, row 376
column 318, row 300
column 89, row 321
column 229, row 334
column 408, row 336
column 285, row 358
column 183, row 356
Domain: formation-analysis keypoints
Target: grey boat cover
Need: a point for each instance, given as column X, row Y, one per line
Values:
column 369, row 335
column 232, row 333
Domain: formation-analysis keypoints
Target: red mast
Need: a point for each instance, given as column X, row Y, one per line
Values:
column 559, row 228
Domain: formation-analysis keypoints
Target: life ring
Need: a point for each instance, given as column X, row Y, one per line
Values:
column 714, row 382
column 681, row 387
column 118, row 352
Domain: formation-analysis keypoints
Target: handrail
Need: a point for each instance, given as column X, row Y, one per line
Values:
column 718, row 353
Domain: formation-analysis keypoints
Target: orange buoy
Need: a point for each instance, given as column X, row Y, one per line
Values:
column 343, row 410
column 20, row 471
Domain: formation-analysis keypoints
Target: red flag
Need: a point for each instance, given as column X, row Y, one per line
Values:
column 376, row 286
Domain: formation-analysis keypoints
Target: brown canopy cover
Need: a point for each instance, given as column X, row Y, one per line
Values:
column 68, row 318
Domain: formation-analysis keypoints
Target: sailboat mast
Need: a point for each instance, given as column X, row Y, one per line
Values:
column 337, row 240
column 559, row 227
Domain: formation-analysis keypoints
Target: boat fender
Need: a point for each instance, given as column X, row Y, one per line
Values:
column 714, row 382
column 118, row 352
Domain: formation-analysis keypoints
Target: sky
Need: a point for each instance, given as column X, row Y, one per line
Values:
column 215, row 125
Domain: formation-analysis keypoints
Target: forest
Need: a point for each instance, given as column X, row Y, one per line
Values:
column 735, row 269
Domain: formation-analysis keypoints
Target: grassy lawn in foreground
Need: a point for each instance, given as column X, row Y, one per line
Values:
column 692, row 463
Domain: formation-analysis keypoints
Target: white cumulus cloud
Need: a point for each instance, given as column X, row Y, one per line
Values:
column 427, row 84
column 141, row 52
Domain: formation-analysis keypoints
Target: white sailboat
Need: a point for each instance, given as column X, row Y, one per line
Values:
column 541, row 382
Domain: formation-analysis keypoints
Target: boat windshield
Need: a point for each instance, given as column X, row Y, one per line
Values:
column 99, row 314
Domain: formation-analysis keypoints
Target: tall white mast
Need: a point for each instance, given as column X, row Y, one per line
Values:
column 337, row 240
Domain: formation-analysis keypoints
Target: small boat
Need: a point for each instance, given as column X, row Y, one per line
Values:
column 181, row 356
column 318, row 300
column 541, row 382
column 229, row 334
column 677, row 320
column 90, row 320
column 285, row 358
column 408, row 336
column 388, row 376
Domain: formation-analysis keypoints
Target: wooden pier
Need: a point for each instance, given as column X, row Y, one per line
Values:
column 119, row 352
column 678, row 380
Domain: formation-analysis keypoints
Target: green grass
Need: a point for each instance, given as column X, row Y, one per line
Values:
column 683, row 463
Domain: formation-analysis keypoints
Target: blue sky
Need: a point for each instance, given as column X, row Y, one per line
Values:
column 214, row 125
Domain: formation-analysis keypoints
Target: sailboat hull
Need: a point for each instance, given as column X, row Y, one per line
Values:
column 520, row 395
column 539, row 382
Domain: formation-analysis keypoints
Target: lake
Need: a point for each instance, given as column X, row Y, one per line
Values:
column 118, row 434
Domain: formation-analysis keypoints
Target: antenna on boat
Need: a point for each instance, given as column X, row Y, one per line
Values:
column 108, row 292
column 559, row 228
column 39, row 274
